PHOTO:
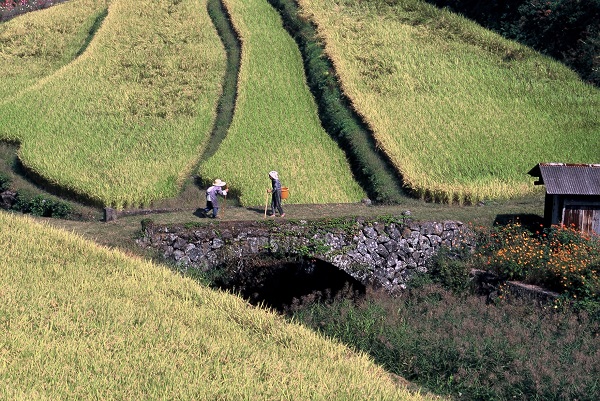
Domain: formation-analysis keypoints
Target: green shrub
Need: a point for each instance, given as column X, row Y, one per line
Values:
column 60, row 210
column 23, row 202
column 4, row 182
column 450, row 271
column 39, row 205
column 561, row 259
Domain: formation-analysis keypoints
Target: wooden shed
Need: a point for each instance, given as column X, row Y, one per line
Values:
column 572, row 194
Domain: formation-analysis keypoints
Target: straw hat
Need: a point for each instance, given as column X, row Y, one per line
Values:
column 274, row 174
column 219, row 183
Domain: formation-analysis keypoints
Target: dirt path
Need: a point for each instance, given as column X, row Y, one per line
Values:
column 122, row 232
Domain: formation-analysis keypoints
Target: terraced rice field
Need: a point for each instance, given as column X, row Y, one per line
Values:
column 462, row 113
column 124, row 123
column 275, row 124
column 115, row 101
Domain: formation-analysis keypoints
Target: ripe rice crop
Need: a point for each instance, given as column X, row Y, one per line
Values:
column 37, row 44
column 83, row 322
column 462, row 113
column 125, row 122
column 275, row 125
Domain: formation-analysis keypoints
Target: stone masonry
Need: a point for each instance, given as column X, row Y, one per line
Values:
column 384, row 254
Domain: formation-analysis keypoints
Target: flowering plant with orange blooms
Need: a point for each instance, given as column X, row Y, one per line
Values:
column 573, row 262
column 559, row 258
column 510, row 251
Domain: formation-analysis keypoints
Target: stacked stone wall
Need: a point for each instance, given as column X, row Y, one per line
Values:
column 385, row 254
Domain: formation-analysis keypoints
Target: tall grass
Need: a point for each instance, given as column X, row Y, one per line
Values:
column 124, row 123
column 461, row 112
column 275, row 125
column 84, row 322
column 463, row 347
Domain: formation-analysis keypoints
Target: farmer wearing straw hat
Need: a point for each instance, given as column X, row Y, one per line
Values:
column 275, row 194
column 212, row 201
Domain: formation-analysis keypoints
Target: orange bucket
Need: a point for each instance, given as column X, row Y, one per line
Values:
column 285, row 192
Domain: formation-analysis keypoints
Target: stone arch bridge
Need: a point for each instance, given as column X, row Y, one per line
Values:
column 381, row 252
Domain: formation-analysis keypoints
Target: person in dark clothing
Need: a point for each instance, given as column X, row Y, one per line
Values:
column 275, row 194
column 212, row 200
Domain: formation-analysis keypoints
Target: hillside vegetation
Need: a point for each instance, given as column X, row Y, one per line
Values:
column 564, row 29
column 275, row 124
column 35, row 46
column 125, row 122
column 117, row 107
column 461, row 112
column 83, row 322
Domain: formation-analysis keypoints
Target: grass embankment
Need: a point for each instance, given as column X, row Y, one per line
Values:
column 461, row 112
column 275, row 125
column 81, row 322
column 124, row 123
column 233, row 48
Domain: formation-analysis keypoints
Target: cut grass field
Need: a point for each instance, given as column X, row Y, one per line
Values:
column 275, row 124
column 84, row 322
column 461, row 112
column 124, row 123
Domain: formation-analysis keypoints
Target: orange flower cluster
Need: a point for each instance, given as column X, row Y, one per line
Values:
column 572, row 257
column 560, row 258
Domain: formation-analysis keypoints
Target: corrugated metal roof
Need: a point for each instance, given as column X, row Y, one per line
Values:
column 568, row 179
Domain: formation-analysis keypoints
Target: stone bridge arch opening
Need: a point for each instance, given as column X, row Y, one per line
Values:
column 287, row 283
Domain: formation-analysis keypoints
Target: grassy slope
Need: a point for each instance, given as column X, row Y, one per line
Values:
column 462, row 113
column 83, row 322
column 126, row 121
column 275, row 125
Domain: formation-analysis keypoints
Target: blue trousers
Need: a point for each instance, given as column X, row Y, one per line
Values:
column 209, row 206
